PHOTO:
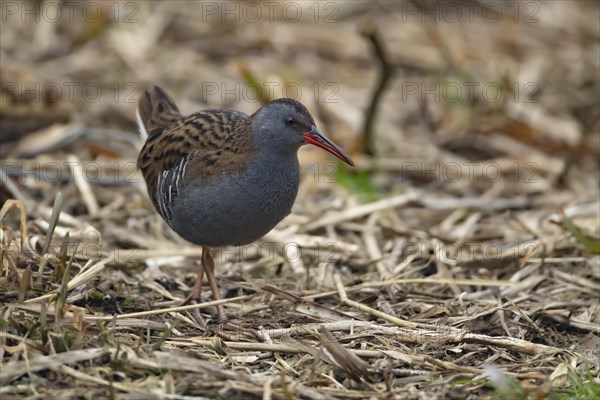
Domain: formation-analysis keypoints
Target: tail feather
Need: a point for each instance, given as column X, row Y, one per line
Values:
column 156, row 109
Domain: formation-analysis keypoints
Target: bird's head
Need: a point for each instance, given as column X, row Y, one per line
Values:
column 284, row 125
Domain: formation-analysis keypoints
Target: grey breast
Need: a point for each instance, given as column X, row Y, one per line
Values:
column 237, row 208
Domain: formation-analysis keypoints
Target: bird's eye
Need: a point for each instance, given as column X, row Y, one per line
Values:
column 291, row 121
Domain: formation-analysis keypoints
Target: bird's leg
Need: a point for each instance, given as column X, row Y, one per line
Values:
column 194, row 296
column 209, row 267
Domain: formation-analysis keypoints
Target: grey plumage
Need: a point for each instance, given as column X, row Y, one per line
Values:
column 221, row 177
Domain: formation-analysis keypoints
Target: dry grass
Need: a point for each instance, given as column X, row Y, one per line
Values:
column 461, row 256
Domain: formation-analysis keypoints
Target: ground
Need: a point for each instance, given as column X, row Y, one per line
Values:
column 459, row 258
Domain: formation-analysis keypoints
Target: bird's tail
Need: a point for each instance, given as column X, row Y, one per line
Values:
column 156, row 109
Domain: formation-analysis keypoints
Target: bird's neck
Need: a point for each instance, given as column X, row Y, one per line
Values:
column 277, row 154
column 278, row 165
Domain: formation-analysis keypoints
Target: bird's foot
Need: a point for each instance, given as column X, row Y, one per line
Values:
column 195, row 299
column 223, row 327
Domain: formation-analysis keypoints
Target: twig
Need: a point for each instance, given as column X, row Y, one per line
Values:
column 447, row 333
column 87, row 194
column 369, row 31
column 171, row 309
column 360, row 211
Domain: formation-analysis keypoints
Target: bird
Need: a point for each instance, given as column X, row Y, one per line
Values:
column 220, row 177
